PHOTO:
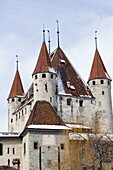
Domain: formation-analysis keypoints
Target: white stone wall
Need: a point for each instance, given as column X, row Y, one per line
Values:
column 39, row 88
column 49, row 152
column 12, row 106
column 25, row 156
column 10, row 143
column 103, row 107
column 74, row 113
column 20, row 118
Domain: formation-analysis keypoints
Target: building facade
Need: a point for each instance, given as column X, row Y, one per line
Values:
column 57, row 100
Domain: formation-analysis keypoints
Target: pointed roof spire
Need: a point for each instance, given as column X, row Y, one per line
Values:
column 58, row 33
column 17, row 62
column 96, row 39
column 98, row 69
column 49, row 40
column 43, row 32
column 44, row 62
column 17, row 87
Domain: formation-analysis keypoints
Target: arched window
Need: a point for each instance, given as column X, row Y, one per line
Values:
column 36, row 77
column 93, row 82
column 69, row 101
column 13, row 99
column 80, row 103
column 101, row 81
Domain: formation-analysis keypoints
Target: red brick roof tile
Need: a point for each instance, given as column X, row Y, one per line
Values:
column 43, row 63
column 44, row 114
column 98, row 69
column 17, row 88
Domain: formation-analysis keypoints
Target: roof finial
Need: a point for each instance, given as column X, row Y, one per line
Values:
column 96, row 39
column 58, row 33
column 17, row 62
column 43, row 32
column 49, row 40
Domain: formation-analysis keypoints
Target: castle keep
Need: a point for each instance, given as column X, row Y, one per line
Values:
column 56, row 101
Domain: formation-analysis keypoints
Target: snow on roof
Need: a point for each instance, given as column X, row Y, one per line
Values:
column 107, row 75
column 9, row 134
column 48, row 127
column 85, row 136
column 77, row 126
column 63, row 61
column 60, row 84
column 52, row 70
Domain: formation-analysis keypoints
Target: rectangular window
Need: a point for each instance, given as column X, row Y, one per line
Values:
column 35, row 145
column 102, row 92
column 7, row 150
column 46, row 87
column 1, row 149
column 13, row 151
column 62, row 146
column 24, row 148
column 84, row 168
column 51, row 99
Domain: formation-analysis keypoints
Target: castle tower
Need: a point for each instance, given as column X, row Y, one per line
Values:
column 15, row 98
column 100, row 84
column 44, row 78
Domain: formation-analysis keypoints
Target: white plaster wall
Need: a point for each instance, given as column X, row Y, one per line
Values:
column 19, row 123
column 39, row 88
column 74, row 113
column 10, row 143
column 11, row 109
column 50, row 153
column 25, row 157
column 103, row 108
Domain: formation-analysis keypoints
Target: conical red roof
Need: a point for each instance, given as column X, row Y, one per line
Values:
column 43, row 63
column 17, row 88
column 98, row 69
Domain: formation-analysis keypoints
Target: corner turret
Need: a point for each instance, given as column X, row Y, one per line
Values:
column 44, row 78
column 15, row 97
column 100, row 85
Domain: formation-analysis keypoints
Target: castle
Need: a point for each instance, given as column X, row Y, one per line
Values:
column 57, row 100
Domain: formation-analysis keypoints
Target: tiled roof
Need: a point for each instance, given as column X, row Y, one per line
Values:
column 71, row 80
column 27, row 98
column 98, row 69
column 44, row 114
column 43, row 63
column 17, row 88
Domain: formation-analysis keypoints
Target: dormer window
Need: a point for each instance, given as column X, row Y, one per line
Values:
column 101, row 81
column 43, row 75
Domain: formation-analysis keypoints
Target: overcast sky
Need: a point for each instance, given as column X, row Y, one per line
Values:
column 21, row 23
